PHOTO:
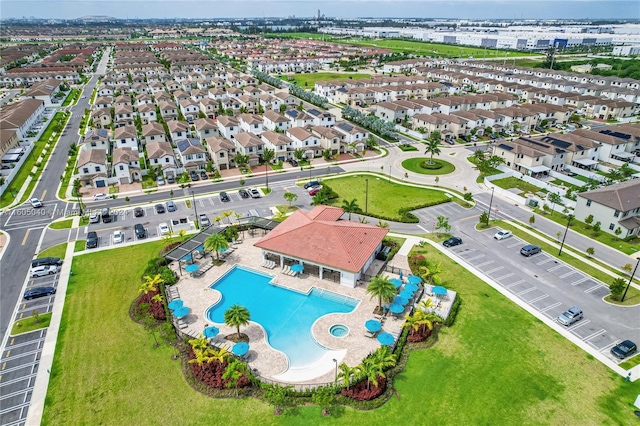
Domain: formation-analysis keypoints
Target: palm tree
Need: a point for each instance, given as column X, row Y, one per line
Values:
column 369, row 371
column 382, row 288
column 426, row 304
column 267, row 155
column 216, row 242
column 221, row 355
column 150, row 283
column 350, row 207
column 241, row 160
column 433, row 145
column 236, row 316
column 429, row 273
column 227, row 214
column 346, row 373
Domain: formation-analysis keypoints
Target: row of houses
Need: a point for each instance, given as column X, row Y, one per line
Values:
column 16, row 120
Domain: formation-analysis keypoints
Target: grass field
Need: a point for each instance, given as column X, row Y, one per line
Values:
column 72, row 97
column 512, row 182
column 29, row 324
column 496, row 365
column 385, row 198
column 55, row 251
column 62, row 224
column 309, row 80
column 414, row 165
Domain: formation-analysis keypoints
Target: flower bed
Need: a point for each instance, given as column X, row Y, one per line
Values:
column 359, row 391
column 210, row 373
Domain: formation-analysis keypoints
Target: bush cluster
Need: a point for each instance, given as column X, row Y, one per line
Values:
column 359, row 391
column 210, row 373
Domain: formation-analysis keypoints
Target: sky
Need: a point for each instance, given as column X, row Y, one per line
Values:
column 469, row 9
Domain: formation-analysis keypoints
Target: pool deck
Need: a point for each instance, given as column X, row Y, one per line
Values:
column 262, row 358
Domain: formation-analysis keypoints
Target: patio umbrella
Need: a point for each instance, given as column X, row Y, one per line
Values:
column 439, row 290
column 192, row 268
column 411, row 287
column 396, row 309
column 398, row 300
column 407, row 294
column 211, row 332
column 386, row 339
column 181, row 312
column 373, row 325
column 414, row 279
column 298, row 267
column 187, row 257
column 240, row 348
column 396, row 282
column 175, row 304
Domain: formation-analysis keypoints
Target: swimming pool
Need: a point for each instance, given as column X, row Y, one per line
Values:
column 286, row 315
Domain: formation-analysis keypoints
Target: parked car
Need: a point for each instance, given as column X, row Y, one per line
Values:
column 450, row 141
column 164, row 228
column 243, row 193
column 204, row 220
column 293, row 162
column 624, row 349
column 118, row 237
column 138, row 212
column 140, row 231
column 160, row 181
column 43, row 270
column 100, row 196
column 453, row 241
column 171, row 206
column 254, row 193
column 530, row 250
column 570, row 316
column 94, row 217
column 224, row 197
column 194, row 176
column 159, row 208
column 203, row 175
column 35, row 203
column 92, row 240
column 170, row 180
column 311, row 184
column 46, row 261
column 314, row 191
column 501, row 235
column 35, row 292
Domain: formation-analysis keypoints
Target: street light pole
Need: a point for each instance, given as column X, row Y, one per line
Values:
column 565, row 234
column 389, row 173
column 366, row 197
column 336, row 376
column 630, row 279
column 195, row 208
column 493, row 188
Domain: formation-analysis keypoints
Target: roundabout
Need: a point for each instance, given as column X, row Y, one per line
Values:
column 422, row 165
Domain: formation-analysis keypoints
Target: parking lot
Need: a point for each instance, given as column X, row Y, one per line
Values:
column 21, row 357
column 551, row 287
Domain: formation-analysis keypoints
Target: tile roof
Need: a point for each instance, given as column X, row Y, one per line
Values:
column 317, row 236
column 98, row 156
column 623, row 196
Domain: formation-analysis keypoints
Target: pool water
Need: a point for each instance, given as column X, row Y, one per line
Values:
column 339, row 330
column 286, row 315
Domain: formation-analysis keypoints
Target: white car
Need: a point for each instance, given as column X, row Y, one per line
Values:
column 118, row 237
column 94, row 217
column 41, row 271
column 100, row 196
column 164, row 228
column 501, row 235
column 35, row 203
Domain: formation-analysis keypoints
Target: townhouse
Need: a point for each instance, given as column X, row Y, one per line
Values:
column 250, row 145
column 222, row 151
column 160, row 154
column 92, row 167
column 126, row 165
column 280, row 143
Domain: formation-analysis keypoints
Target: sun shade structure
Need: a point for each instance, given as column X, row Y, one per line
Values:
column 181, row 312
column 439, row 290
column 297, row 267
column 175, row 304
column 240, row 349
column 191, row 268
column 414, row 279
column 394, row 308
column 373, row 325
column 211, row 332
column 396, row 282
column 386, row 339
column 411, row 287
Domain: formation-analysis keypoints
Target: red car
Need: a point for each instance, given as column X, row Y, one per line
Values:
column 314, row 191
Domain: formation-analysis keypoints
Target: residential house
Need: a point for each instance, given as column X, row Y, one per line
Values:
column 303, row 139
column 279, row 143
column 192, row 154
column 103, row 102
column 249, row 145
column 322, row 118
column 98, row 139
column 228, row 126
column 615, row 144
column 147, row 113
column 160, row 154
column 391, row 111
column 124, row 115
column 299, row 118
column 189, row 109
column 47, row 91
column 92, row 167
column 611, row 109
column 285, row 98
column 21, row 116
column 251, row 123
column 330, row 139
column 221, row 152
column 352, row 135
column 101, row 118
column 126, row 137
column 178, row 130
column 209, row 107
column 126, row 165
column 206, row 128
column 273, row 121
column 168, row 110
column 153, row 132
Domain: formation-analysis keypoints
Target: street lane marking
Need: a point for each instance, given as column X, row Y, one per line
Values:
column 550, row 307
column 544, row 261
column 24, row 240
column 484, row 264
column 8, row 353
column 514, row 245
column 555, row 268
column 578, row 325
column 610, row 345
column 44, row 193
column 475, row 257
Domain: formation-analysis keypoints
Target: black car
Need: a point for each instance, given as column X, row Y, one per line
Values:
column 44, row 261
column 92, row 239
column 311, row 184
column 140, row 231
column 624, row 349
column 203, row 175
column 159, row 208
column 35, row 292
column 453, row 241
column 224, row 197
column 138, row 212
column 243, row 193
column 293, row 162
column 194, row 176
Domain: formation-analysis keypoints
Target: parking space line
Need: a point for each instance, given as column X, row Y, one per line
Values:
column 526, row 291
column 514, row 245
column 578, row 325
column 537, row 299
column 505, row 276
column 18, row 379
column 591, row 336
column 544, row 261
column 597, row 286
column 575, row 283
column 551, row 307
column 484, row 264
column 609, row 346
column 568, row 273
column 555, row 268
column 494, row 270
column 475, row 257
column 514, row 284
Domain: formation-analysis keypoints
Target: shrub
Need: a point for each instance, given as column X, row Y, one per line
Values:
column 360, row 392
column 210, row 373
column 156, row 308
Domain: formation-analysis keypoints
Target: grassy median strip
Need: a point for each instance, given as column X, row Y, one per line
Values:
column 34, row 322
column 59, row 250
column 497, row 365
column 61, row 224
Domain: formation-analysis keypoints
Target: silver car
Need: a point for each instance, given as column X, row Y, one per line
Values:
column 570, row 316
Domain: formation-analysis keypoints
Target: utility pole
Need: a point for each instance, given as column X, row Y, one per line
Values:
column 565, row 234
column 195, row 208
column 493, row 188
column 630, row 279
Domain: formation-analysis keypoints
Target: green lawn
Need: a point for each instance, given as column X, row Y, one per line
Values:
column 629, row 246
column 32, row 158
column 62, row 224
column 29, row 324
column 308, row 81
column 385, row 198
column 286, row 208
column 109, row 372
column 473, row 160
column 512, row 182
column 407, row 147
column 71, row 98
column 68, row 172
column 56, row 251
column 415, row 165
column 79, row 245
